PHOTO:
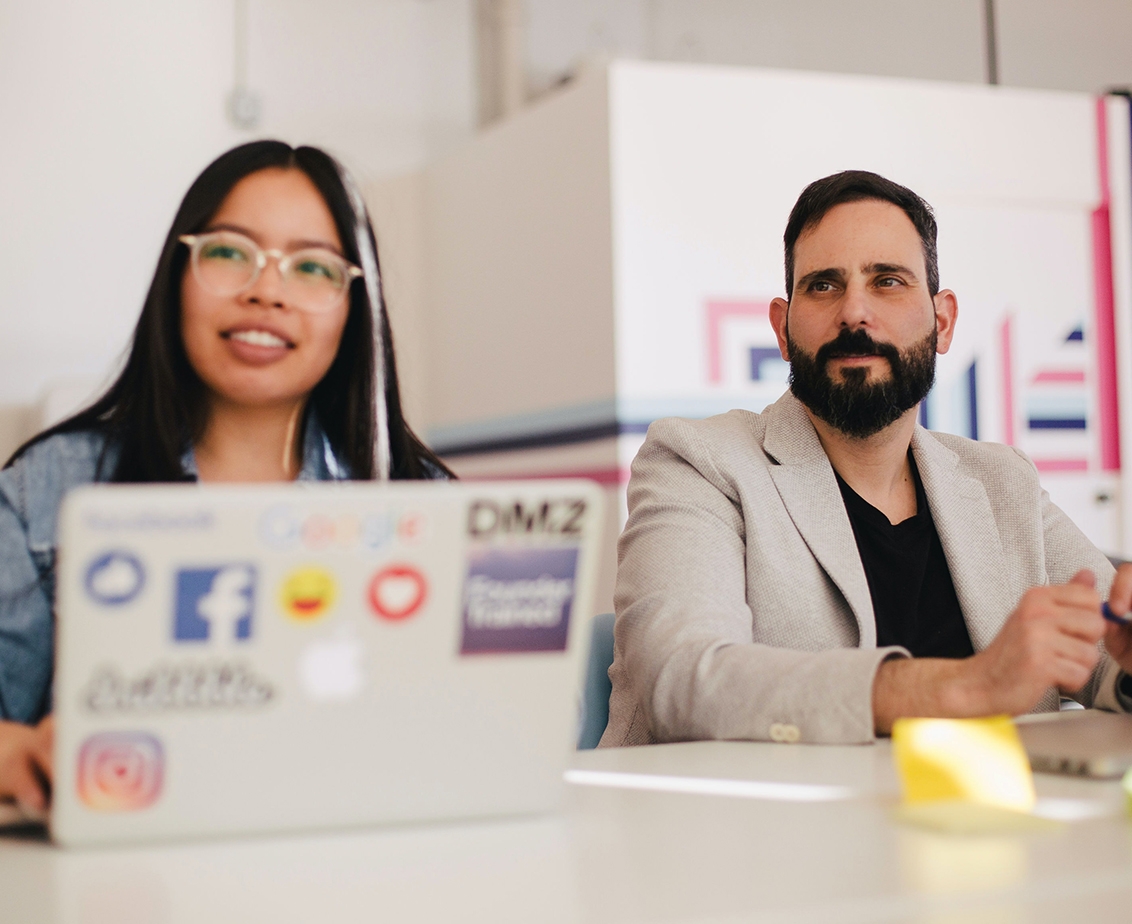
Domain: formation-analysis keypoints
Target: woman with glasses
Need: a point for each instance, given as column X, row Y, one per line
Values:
column 263, row 353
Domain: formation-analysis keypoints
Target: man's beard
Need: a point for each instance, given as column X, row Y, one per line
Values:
column 856, row 406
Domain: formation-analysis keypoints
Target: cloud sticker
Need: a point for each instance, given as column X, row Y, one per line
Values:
column 114, row 578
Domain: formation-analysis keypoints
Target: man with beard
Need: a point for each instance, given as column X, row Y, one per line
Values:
column 818, row 570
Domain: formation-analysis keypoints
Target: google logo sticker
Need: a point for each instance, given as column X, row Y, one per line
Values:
column 286, row 529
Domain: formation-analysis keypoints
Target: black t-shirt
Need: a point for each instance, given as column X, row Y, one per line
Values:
column 910, row 583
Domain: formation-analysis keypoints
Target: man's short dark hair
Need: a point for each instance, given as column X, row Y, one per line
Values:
column 852, row 186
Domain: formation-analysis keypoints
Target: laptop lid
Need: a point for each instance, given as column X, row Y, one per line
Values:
column 239, row 659
column 1082, row 742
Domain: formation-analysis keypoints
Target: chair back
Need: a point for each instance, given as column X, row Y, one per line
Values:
column 597, row 686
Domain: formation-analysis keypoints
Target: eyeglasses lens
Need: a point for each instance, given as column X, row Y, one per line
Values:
column 315, row 274
column 313, row 279
column 225, row 265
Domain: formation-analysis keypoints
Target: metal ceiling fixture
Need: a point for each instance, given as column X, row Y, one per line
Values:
column 991, row 35
column 501, row 71
column 243, row 106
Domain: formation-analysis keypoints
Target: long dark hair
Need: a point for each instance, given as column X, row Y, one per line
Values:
column 157, row 406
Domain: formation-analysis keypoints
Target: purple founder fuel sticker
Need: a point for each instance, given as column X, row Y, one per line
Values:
column 518, row 599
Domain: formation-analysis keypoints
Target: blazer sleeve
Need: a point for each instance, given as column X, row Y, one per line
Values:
column 684, row 628
column 26, row 625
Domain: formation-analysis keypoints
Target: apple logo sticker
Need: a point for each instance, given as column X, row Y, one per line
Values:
column 330, row 669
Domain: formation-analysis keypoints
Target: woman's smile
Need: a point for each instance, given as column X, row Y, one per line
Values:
column 257, row 344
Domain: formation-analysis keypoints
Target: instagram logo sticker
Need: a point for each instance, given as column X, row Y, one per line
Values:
column 120, row 771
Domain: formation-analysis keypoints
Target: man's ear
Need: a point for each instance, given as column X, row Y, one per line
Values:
column 779, row 308
column 946, row 312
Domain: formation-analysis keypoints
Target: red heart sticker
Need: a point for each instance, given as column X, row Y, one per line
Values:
column 397, row 592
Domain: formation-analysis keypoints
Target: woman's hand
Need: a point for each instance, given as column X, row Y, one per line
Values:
column 25, row 764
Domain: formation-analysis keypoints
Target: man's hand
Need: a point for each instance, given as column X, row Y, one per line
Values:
column 1050, row 640
column 25, row 764
column 1118, row 639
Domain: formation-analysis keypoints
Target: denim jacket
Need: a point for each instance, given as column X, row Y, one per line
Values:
column 31, row 491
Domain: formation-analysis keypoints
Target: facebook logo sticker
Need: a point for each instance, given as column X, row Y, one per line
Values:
column 214, row 603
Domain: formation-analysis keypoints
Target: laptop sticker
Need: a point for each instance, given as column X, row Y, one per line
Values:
column 490, row 519
column 120, row 771
column 114, row 578
column 279, row 528
column 307, row 594
column 518, row 599
column 330, row 669
column 286, row 529
column 397, row 592
column 412, row 527
column 214, row 604
column 175, row 687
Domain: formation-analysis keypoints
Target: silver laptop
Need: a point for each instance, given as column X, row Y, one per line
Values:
column 1082, row 742
column 250, row 659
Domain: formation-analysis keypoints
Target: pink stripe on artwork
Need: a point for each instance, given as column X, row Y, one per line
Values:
column 1007, row 382
column 1060, row 376
column 1061, row 465
column 717, row 313
column 1104, row 309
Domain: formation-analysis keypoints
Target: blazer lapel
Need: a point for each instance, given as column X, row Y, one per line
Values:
column 806, row 483
column 969, row 535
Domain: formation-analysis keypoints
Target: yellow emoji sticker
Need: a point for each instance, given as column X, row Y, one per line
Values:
column 307, row 594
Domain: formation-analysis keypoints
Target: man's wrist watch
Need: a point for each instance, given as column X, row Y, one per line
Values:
column 1124, row 691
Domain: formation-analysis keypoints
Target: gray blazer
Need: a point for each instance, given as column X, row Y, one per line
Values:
column 742, row 605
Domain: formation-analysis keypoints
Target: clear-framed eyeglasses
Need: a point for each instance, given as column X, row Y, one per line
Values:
column 227, row 263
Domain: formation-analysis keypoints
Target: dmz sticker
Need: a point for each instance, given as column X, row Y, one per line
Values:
column 214, row 603
column 114, row 578
column 518, row 599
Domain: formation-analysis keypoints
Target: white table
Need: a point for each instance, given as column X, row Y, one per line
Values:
column 623, row 854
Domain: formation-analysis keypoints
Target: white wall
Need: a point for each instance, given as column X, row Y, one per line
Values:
column 1049, row 44
column 896, row 38
column 1065, row 44
column 520, row 264
column 110, row 109
column 387, row 84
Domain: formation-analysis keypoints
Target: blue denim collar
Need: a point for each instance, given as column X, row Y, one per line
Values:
column 320, row 462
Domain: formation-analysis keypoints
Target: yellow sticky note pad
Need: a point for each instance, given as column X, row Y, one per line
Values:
column 978, row 761
column 972, row 818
